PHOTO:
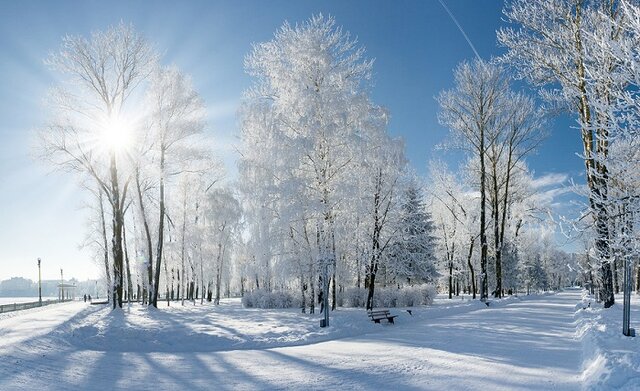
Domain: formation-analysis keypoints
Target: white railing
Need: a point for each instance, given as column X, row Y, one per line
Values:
column 25, row 306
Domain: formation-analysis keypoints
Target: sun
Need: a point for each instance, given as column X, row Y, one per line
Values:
column 115, row 133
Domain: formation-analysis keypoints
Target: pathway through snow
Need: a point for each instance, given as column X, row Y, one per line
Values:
column 525, row 344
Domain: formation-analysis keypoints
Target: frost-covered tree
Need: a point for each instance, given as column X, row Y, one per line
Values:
column 473, row 111
column 521, row 134
column 177, row 115
column 455, row 213
column 307, row 124
column 554, row 44
column 412, row 251
column 132, row 127
column 93, row 115
column 222, row 219
column 614, row 60
column 383, row 172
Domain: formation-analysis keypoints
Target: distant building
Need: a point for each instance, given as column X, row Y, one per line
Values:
column 23, row 287
column 18, row 287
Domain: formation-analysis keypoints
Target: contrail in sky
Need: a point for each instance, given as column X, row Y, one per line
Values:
column 460, row 28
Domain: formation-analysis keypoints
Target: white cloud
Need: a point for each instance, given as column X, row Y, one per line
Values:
column 552, row 194
column 552, row 179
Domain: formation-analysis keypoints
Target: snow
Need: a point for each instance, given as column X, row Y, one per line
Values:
column 532, row 343
column 611, row 360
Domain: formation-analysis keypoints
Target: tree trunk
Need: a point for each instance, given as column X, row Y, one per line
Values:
column 450, row 278
column 183, row 280
column 596, row 175
column 637, row 278
column 370, row 281
column 117, row 221
column 473, row 274
column 156, row 282
column 312, row 294
column 497, row 245
column 334, row 300
column 484, row 294
column 166, row 278
column 201, row 275
column 311, row 285
column 219, row 261
column 126, row 258
column 615, row 275
column 303, row 289
column 106, row 247
column 147, row 232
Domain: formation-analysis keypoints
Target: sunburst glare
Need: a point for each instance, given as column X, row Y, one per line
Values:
column 116, row 133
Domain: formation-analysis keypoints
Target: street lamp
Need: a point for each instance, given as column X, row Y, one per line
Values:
column 626, row 309
column 61, row 286
column 39, row 284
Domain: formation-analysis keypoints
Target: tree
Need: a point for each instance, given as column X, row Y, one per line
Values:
column 455, row 211
column 413, row 249
column 473, row 110
column 177, row 115
column 521, row 135
column 223, row 219
column 383, row 171
column 88, row 131
column 550, row 47
column 306, row 124
column 613, row 60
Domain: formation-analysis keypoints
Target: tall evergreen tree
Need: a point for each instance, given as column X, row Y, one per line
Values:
column 412, row 256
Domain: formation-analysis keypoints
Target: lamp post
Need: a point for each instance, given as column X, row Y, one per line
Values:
column 61, row 286
column 626, row 307
column 39, row 284
column 626, row 310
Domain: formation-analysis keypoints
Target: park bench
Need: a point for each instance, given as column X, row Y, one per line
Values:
column 378, row 315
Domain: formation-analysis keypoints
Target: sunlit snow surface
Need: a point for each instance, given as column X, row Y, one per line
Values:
column 527, row 344
column 611, row 360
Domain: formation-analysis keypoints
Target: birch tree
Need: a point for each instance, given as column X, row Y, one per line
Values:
column 473, row 110
column 177, row 115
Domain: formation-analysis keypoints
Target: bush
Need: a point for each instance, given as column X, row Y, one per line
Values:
column 351, row 297
column 261, row 298
column 389, row 297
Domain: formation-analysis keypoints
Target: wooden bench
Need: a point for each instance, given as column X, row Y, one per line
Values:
column 378, row 315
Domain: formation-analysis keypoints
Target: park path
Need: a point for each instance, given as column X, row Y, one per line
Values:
column 525, row 345
column 19, row 326
column 522, row 345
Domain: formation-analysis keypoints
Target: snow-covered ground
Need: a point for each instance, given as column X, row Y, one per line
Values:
column 611, row 360
column 519, row 343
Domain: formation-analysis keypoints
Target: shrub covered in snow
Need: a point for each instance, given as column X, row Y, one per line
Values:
column 261, row 298
column 351, row 297
column 389, row 297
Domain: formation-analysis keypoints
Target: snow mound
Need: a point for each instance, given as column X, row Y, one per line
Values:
column 610, row 359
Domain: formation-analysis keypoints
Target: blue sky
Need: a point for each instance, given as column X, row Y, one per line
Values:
column 415, row 44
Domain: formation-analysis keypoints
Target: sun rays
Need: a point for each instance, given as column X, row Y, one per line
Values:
column 115, row 133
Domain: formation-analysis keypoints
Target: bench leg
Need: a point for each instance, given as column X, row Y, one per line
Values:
column 391, row 320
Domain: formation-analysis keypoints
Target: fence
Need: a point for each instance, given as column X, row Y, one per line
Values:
column 25, row 306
